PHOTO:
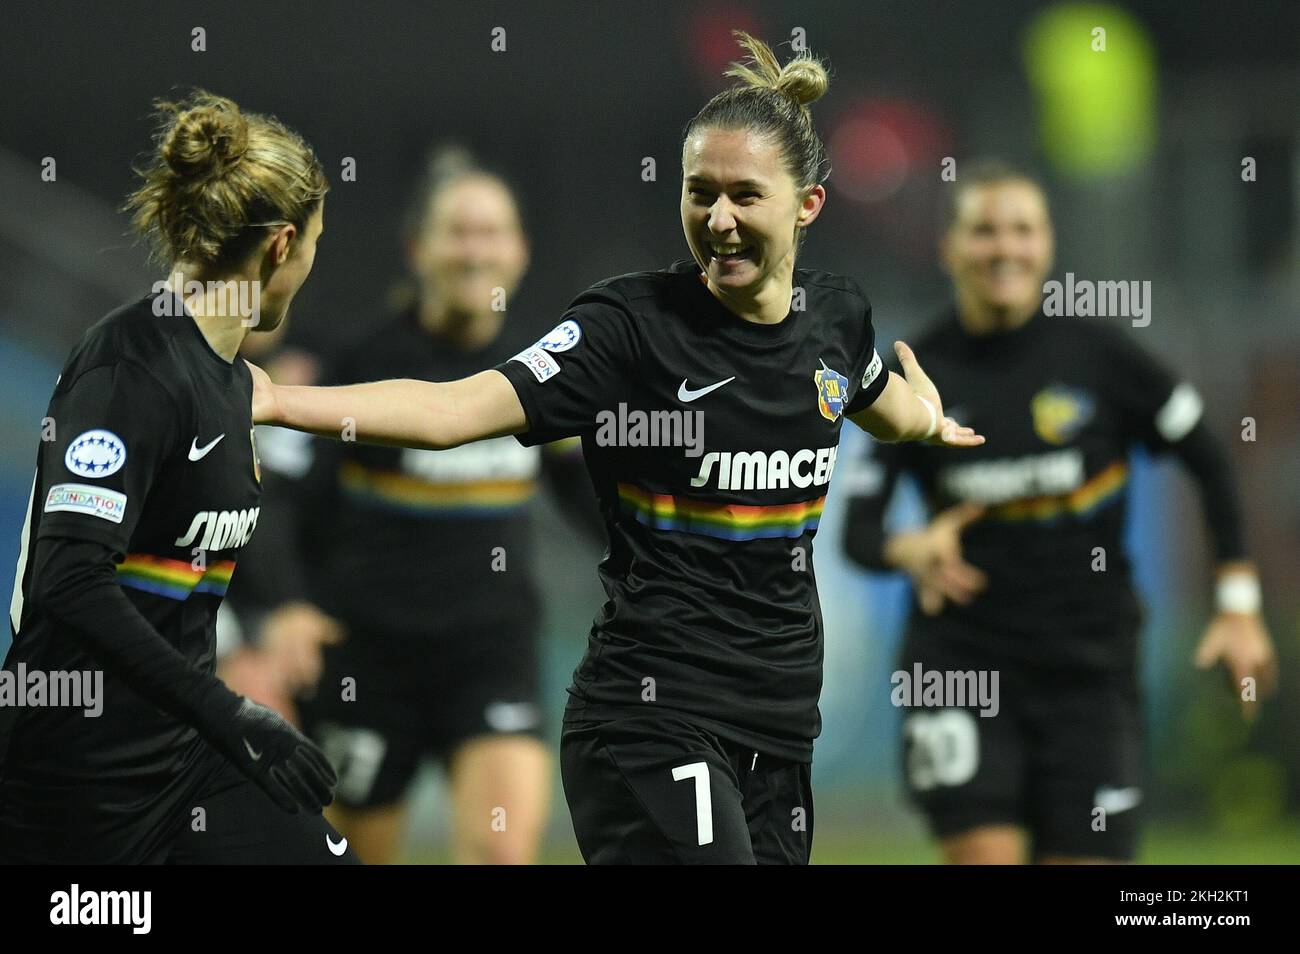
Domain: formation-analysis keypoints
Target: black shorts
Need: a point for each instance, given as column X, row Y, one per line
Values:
column 242, row 826
column 651, row 789
column 1062, row 757
column 223, row 818
column 386, row 701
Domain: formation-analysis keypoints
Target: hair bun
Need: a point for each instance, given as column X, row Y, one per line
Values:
column 804, row 80
column 206, row 138
column 216, row 171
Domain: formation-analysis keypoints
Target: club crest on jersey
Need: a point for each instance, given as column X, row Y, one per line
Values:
column 832, row 387
column 257, row 464
column 95, row 454
column 1061, row 412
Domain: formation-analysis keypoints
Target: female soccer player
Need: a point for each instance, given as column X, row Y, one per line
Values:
column 447, row 671
column 1021, row 572
column 709, row 397
column 145, row 490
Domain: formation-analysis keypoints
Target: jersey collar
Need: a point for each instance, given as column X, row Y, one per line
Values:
column 181, row 311
column 750, row 331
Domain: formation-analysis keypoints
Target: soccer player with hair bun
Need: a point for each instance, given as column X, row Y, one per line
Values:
column 689, row 730
column 140, row 506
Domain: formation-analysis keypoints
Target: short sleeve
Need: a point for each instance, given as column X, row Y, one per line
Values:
column 1155, row 407
column 111, row 429
column 869, row 373
column 581, row 367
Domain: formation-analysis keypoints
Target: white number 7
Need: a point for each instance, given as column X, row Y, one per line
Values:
column 703, row 803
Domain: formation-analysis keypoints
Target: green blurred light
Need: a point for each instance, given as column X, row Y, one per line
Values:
column 1097, row 110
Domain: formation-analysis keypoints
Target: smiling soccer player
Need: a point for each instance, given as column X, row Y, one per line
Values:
column 689, row 731
column 1021, row 571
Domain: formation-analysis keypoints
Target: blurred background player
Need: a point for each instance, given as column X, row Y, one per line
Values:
column 427, row 559
column 269, row 633
column 1021, row 569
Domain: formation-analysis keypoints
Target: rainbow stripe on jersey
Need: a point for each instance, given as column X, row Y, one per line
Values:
column 1102, row 488
column 174, row 579
column 724, row 521
column 393, row 490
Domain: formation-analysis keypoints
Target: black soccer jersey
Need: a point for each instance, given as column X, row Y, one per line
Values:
column 149, row 451
column 419, row 541
column 1061, row 401
column 711, row 441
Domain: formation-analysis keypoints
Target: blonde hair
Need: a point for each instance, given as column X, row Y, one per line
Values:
column 773, row 100
column 215, row 175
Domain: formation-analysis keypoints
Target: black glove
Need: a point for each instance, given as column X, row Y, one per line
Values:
column 284, row 762
column 77, row 586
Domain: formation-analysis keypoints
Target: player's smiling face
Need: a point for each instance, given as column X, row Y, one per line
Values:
column 999, row 249
column 471, row 243
column 741, row 209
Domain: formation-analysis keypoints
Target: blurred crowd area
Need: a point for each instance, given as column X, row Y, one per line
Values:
column 1172, row 155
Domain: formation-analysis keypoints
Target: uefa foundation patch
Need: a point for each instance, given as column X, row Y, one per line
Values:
column 82, row 498
column 539, row 362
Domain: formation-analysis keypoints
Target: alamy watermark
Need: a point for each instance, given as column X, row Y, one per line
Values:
column 1083, row 298
column 133, row 909
column 75, row 689
column 635, row 428
column 231, row 299
column 946, row 688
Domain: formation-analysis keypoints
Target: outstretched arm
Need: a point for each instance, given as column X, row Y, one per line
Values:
column 1237, row 635
column 1167, row 414
column 427, row 414
column 909, row 409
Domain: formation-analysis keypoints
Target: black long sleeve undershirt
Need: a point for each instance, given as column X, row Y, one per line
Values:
column 75, row 585
column 864, row 526
column 1206, row 460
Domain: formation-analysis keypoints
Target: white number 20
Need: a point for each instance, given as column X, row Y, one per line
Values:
column 945, row 748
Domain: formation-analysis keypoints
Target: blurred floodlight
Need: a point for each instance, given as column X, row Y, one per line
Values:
column 1093, row 69
column 878, row 144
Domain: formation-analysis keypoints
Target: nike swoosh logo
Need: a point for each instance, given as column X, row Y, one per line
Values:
column 336, row 850
column 198, row 453
column 686, row 395
column 255, row 756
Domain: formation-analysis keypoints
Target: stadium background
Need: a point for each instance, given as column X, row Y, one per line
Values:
column 1141, row 146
